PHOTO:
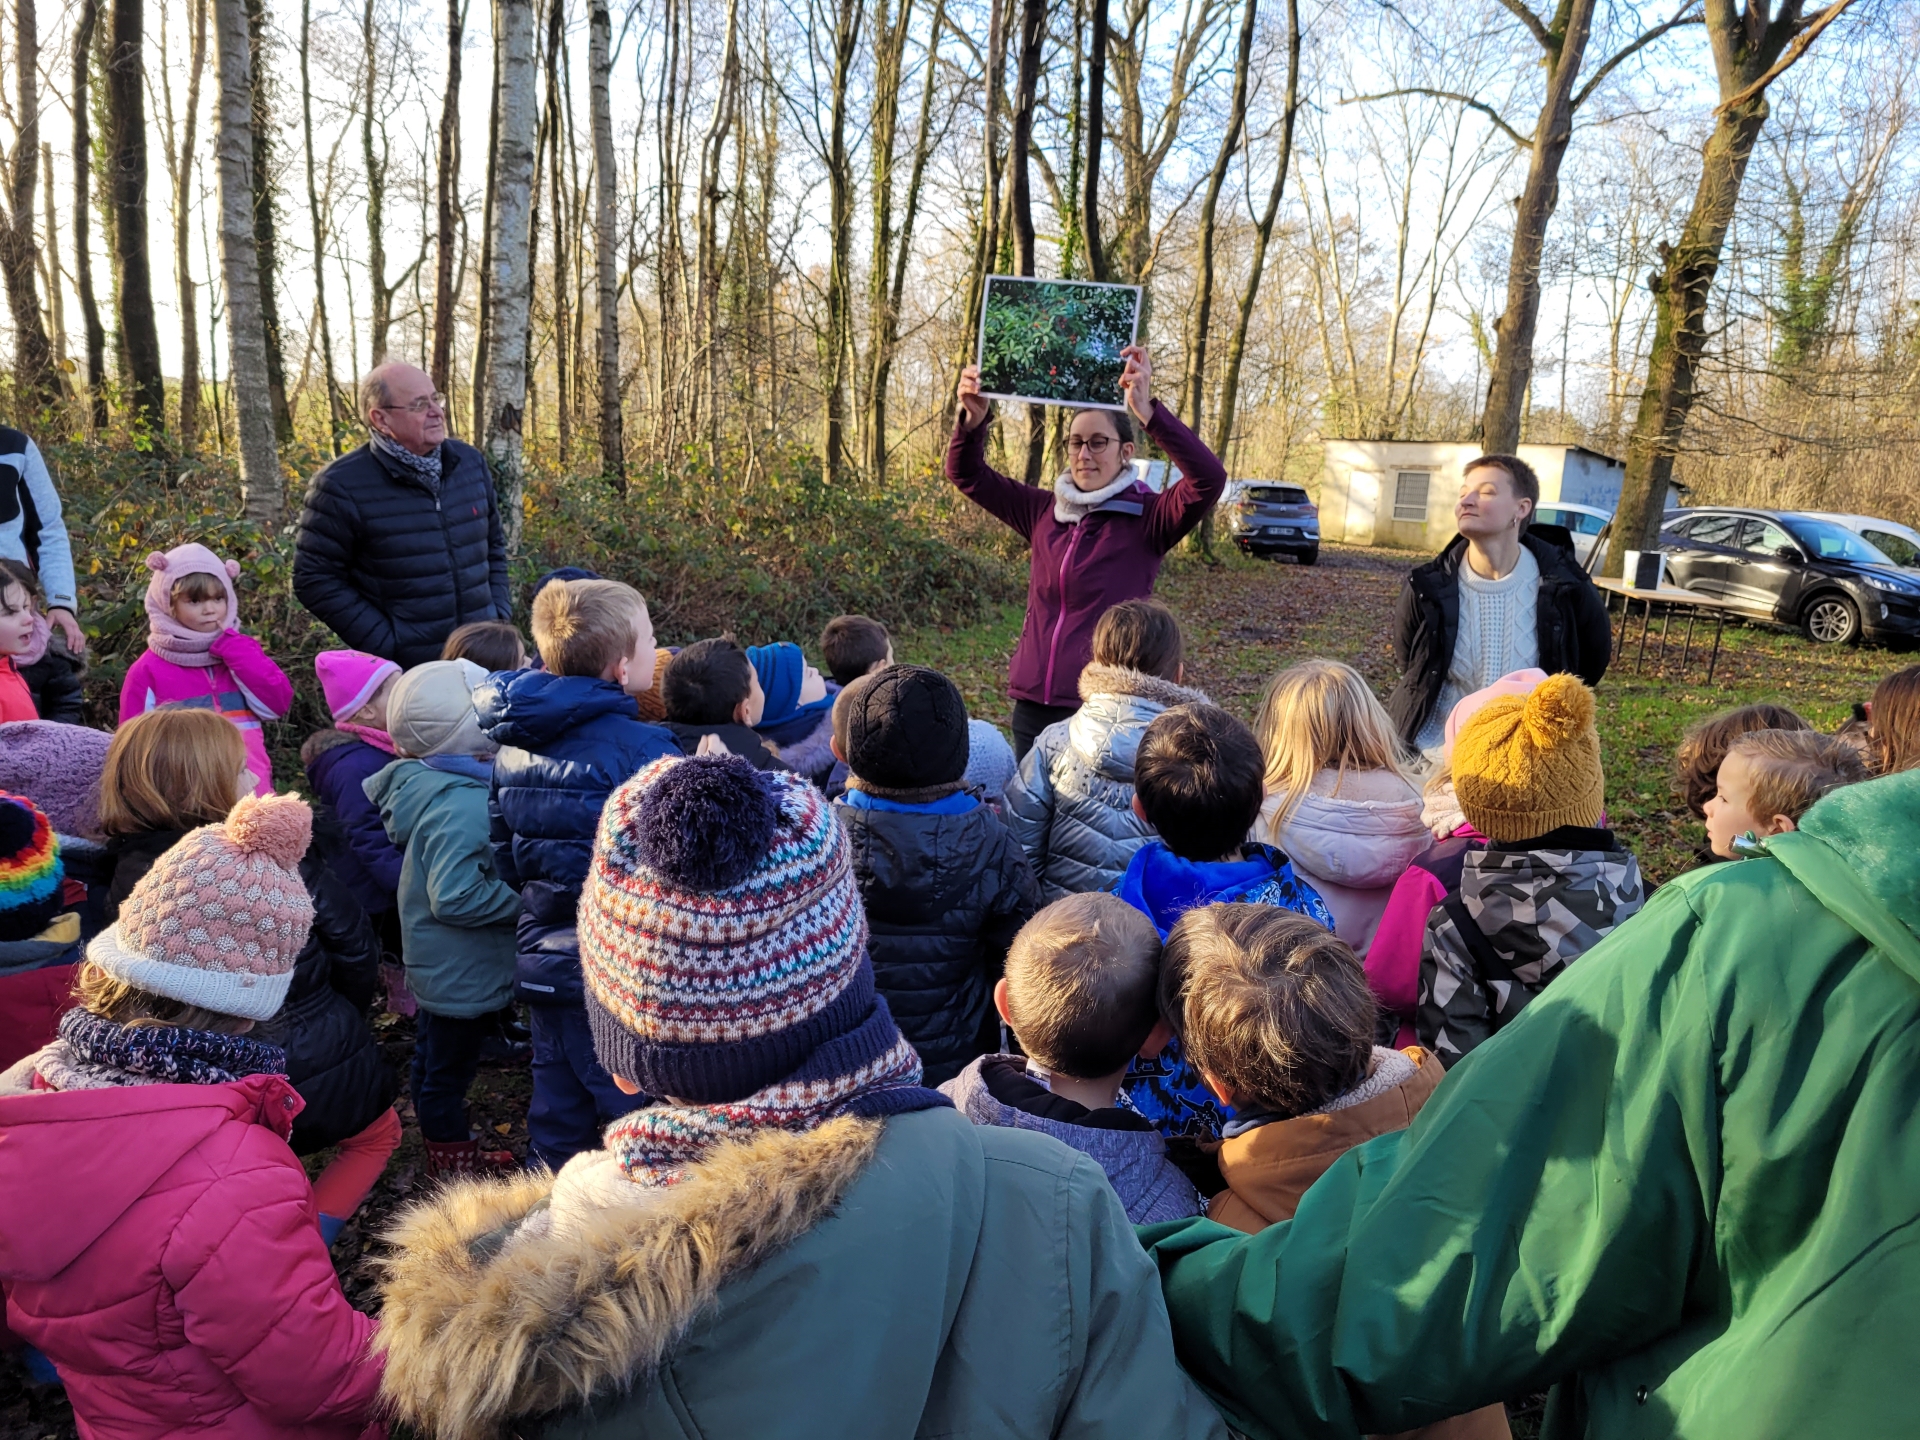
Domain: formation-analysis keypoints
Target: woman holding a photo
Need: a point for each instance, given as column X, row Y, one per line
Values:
column 1098, row 536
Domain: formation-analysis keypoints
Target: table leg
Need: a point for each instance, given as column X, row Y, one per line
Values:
column 1666, row 624
column 1646, row 624
column 1686, row 646
column 1620, row 636
column 1719, row 624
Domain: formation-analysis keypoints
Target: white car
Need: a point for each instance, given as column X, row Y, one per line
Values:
column 1899, row 543
column 1583, row 522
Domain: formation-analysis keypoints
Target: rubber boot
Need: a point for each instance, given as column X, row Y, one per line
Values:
column 454, row 1159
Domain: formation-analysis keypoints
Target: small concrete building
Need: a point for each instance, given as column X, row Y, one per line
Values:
column 1402, row 492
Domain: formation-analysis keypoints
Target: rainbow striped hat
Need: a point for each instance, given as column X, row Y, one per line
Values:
column 31, row 875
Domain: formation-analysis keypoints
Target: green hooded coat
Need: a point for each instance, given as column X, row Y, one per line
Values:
column 1683, row 1185
column 456, row 914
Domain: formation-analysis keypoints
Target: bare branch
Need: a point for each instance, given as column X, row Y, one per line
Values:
column 1814, row 24
column 1527, row 18
column 1525, row 142
column 1688, row 14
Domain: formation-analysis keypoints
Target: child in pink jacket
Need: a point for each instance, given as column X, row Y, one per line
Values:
column 197, row 656
column 158, row 1241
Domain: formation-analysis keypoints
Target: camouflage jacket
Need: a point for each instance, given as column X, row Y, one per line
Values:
column 1540, row 909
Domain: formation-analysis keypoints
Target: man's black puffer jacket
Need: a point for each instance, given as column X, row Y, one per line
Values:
column 1575, row 634
column 332, row 1057
column 393, row 568
column 945, row 895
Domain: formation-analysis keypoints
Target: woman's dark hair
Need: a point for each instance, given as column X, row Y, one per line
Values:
column 18, row 572
column 493, row 645
column 1121, row 421
column 706, row 681
column 1139, row 635
column 1696, row 764
column 1895, row 724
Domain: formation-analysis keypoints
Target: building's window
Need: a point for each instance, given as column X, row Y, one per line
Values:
column 1410, row 495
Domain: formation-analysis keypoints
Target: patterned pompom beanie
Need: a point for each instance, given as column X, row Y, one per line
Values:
column 31, row 874
column 219, row 919
column 724, row 945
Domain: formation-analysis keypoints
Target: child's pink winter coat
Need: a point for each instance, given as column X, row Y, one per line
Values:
column 243, row 684
column 1393, row 960
column 158, row 1243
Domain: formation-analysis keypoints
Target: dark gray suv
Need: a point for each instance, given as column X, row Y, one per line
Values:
column 1265, row 517
column 1795, row 570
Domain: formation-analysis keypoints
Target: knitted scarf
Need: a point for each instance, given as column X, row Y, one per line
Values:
column 869, row 1071
column 93, row 1054
column 379, row 739
column 424, row 468
column 1071, row 504
column 171, row 640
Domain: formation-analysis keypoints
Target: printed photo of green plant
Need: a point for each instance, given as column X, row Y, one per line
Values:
column 1055, row 342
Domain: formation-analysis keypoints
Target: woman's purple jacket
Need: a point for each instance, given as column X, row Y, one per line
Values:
column 1079, row 570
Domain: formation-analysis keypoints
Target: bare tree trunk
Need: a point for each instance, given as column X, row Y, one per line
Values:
column 336, row 420
column 888, row 336
column 1096, row 136
column 51, row 268
column 189, row 437
column 446, row 198
column 987, row 246
column 483, row 309
column 1749, row 50
column 266, row 236
column 33, row 370
column 1194, row 384
column 96, row 334
column 1262, row 237
column 1033, row 35
column 562, row 337
column 613, row 450
column 889, row 60
column 261, row 489
column 707, row 225
column 510, row 317
column 838, row 342
column 127, row 158
column 380, row 301
column 1512, row 370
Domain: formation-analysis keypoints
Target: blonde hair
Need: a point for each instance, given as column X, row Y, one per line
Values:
column 1081, row 981
column 1791, row 769
column 1321, row 715
column 1269, row 1002
column 99, row 993
column 582, row 626
column 171, row 769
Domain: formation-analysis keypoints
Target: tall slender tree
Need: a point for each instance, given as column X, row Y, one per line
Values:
column 96, row 334
column 1033, row 35
column 606, row 219
column 262, row 497
column 446, row 204
column 837, row 344
column 127, row 169
column 1752, row 45
column 1096, row 139
column 181, row 158
column 516, row 104
column 19, row 251
column 266, row 203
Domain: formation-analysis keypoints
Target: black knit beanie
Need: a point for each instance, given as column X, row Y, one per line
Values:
column 907, row 731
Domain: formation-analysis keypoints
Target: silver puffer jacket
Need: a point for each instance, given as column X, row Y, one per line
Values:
column 1071, row 805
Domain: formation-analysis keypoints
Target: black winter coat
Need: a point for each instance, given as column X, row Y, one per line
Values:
column 54, row 680
column 945, row 895
column 1575, row 634
column 393, row 568
column 332, row 1058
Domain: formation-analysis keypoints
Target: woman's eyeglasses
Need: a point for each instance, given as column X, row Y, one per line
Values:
column 1092, row 444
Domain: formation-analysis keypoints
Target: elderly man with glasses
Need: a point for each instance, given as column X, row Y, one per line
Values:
column 400, row 542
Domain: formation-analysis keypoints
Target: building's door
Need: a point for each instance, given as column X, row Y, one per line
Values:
column 1363, row 506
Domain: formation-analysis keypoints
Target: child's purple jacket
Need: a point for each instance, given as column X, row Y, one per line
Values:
column 1113, row 554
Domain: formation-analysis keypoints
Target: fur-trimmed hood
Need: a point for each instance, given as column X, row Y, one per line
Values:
column 522, row 1297
column 1098, row 679
column 1118, row 706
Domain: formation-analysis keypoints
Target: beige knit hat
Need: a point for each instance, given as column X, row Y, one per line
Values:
column 219, row 919
column 1527, row 764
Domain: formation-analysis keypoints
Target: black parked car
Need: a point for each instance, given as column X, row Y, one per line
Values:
column 1793, row 569
column 1267, row 518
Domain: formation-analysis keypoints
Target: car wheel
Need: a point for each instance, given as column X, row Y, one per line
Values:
column 1310, row 557
column 1831, row 620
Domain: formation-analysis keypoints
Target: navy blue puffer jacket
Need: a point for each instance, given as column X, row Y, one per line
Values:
column 393, row 568
column 566, row 741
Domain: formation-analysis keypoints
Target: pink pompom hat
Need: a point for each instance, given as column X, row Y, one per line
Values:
column 349, row 679
column 1517, row 682
column 219, row 919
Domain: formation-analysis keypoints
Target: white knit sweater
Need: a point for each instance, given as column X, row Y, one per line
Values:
column 1499, row 633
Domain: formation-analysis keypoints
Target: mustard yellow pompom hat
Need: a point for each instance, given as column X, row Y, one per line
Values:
column 1527, row 764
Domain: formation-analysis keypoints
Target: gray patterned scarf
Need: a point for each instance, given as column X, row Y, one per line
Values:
column 424, row 468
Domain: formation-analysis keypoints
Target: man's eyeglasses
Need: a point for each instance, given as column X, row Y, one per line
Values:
column 435, row 401
column 1092, row 444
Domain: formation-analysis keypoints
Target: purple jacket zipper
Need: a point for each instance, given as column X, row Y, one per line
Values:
column 1053, row 646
